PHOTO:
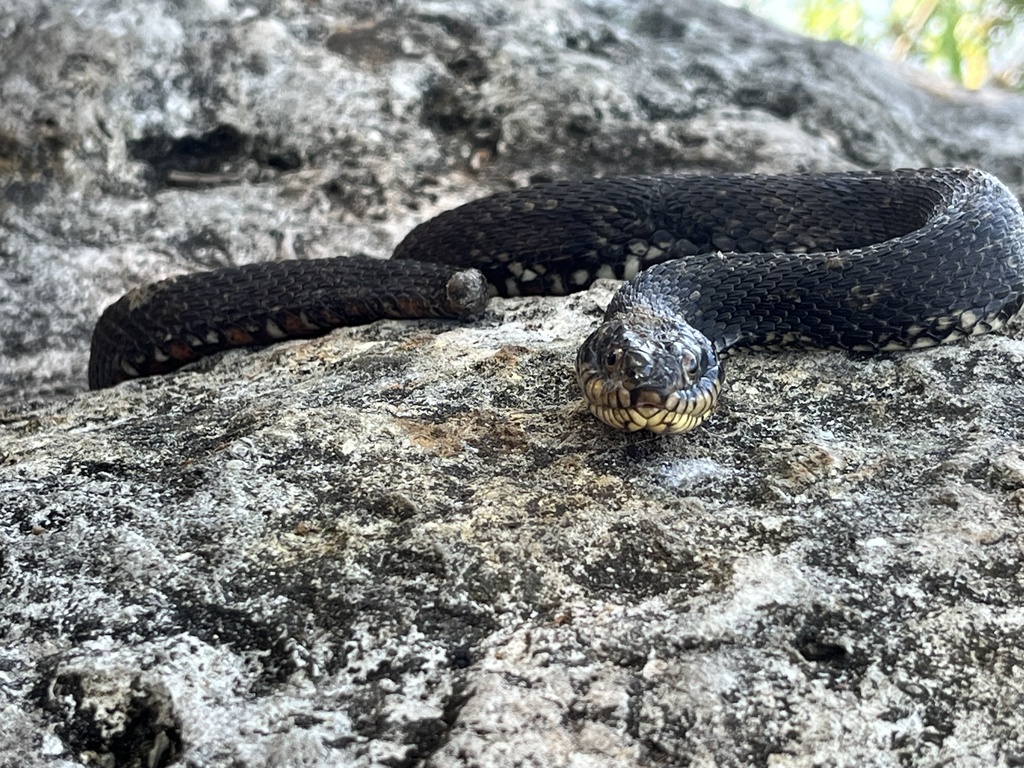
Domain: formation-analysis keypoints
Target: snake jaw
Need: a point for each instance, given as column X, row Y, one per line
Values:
column 641, row 370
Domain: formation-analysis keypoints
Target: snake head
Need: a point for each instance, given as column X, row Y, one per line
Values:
column 644, row 370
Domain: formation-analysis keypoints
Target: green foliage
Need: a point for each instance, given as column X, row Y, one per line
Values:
column 976, row 42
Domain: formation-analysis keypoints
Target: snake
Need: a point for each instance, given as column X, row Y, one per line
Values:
column 865, row 261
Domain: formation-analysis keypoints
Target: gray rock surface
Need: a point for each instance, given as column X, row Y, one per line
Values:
column 407, row 544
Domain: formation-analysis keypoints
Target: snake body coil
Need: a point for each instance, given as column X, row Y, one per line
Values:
column 856, row 260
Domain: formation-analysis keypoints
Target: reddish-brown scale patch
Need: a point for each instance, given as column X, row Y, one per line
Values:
column 238, row 337
column 408, row 306
column 179, row 350
column 293, row 325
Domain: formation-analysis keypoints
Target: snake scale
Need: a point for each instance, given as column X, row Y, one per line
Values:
column 860, row 260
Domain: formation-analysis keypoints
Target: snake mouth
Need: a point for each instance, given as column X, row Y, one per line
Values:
column 663, row 415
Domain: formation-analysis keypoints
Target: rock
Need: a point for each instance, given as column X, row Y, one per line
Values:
column 408, row 544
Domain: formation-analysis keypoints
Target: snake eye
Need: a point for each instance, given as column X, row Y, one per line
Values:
column 689, row 363
column 612, row 359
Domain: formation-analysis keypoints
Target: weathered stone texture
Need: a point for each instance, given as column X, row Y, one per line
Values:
column 408, row 544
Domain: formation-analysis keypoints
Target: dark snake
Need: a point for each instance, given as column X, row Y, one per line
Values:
column 864, row 261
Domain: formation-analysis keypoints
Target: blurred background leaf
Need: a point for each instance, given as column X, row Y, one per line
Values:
column 976, row 42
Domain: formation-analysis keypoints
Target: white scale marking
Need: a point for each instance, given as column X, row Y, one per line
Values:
column 274, row 330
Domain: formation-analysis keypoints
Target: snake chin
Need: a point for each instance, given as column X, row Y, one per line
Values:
column 661, row 421
column 645, row 370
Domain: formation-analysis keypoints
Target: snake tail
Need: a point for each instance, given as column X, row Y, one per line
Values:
column 160, row 327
